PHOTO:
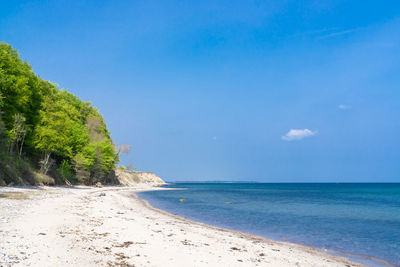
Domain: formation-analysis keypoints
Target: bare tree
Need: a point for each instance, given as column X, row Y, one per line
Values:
column 46, row 163
column 124, row 149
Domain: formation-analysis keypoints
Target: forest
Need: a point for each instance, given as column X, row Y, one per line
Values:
column 48, row 135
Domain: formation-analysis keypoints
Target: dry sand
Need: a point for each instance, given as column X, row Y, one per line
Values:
column 110, row 226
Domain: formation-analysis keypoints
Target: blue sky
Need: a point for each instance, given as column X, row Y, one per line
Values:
column 229, row 90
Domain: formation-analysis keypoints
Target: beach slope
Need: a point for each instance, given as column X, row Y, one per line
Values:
column 110, row 226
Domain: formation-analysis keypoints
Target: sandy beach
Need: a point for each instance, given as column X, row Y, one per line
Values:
column 110, row 226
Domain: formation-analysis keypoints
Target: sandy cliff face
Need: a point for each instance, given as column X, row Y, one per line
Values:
column 132, row 178
column 149, row 177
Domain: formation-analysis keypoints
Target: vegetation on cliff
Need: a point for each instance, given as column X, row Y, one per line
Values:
column 48, row 135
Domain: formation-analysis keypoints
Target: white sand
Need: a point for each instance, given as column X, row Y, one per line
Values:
column 83, row 227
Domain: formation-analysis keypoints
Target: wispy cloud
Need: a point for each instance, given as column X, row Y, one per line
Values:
column 298, row 134
column 344, row 107
column 314, row 32
column 337, row 33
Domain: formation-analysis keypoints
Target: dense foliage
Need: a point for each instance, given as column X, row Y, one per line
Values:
column 46, row 132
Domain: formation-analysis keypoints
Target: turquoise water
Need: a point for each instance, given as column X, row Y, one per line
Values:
column 362, row 219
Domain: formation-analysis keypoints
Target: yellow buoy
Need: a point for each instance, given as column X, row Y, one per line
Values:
column 182, row 200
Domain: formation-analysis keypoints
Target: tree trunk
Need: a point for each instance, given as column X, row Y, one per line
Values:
column 45, row 164
column 22, row 144
column 10, row 147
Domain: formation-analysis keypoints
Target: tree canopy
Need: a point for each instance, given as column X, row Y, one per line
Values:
column 53, row 129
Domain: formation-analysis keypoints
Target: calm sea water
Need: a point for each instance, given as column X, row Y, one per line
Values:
column 361, row 219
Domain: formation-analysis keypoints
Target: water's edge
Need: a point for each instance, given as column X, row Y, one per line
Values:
column 363, row 259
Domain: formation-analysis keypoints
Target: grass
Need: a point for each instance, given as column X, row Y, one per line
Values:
column 14, row 195
column 43, row 179
column 24, row 195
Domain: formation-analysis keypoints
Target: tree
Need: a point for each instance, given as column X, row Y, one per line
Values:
column 94, row 162
column 17, row 134
column 103, row 159
column 60, row 132
column 2, row 127
column 124, row 149
column 65, row 171
column 3, row 135
column 81, row 166
column 20, row 89
column 94, row 124
column 51, row 124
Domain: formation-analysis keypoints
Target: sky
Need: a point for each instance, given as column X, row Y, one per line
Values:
column 268, row 91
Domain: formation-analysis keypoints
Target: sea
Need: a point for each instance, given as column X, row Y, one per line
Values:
column 358, row 220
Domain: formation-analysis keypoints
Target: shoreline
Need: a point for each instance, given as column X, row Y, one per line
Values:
column 333, row 252
column 112, row 226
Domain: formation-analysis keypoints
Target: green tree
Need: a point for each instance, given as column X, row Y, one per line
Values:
column 20, row 88
column 98, row 159
column 65, row 171
column 59, row 132
column 17, row 134
column 81, row 166
column 3, row 136
column 51, row 124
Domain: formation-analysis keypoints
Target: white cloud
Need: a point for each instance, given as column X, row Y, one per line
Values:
column 344, row 106
column 298, row 134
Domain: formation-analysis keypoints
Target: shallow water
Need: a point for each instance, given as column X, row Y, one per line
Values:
column 362, row 219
